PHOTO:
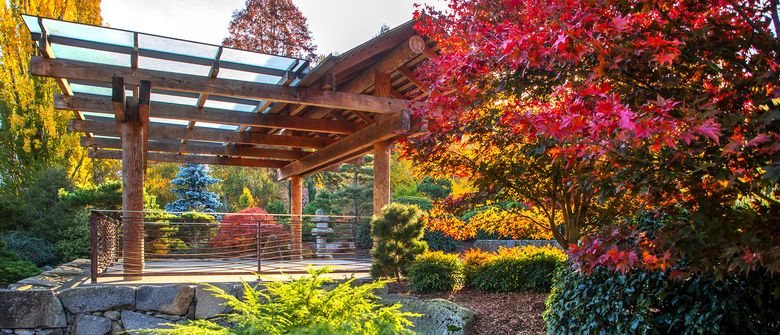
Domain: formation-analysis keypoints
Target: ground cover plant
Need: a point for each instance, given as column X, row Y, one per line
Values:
column 303, row 306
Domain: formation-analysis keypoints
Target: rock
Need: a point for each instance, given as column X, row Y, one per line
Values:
column 169, row 299
column 31, row 309
column 24, row 332
column 55, row 331
column 91, row 325
column 135, row 321
column 112, row 315
column 439, row 316
column 117, row 329
column 87, row 299
column 207, row 305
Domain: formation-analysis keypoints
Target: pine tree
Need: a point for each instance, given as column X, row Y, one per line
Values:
column 191, row 188
column 271, row 26
column 399, row 235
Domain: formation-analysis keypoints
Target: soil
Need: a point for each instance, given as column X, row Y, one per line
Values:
column 497, row 313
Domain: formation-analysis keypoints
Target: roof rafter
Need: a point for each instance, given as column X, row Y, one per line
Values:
column 198, row 159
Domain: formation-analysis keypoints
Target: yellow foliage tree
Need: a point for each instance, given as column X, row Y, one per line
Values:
column 32, row 134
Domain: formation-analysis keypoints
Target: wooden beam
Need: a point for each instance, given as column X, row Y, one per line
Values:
column 59, row 68
column 197, row 159
column 45, row 48
column 132, row 155
column 200, row 148
column 382, row 130
column 166, row 132
column 98, row 104
column 416, row 81
column 400, row 55
column 371, row 48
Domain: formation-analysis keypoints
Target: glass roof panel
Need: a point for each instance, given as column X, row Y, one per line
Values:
column 168, row 121
column 176, row 46
column 32, row 24
column 101, row 115
column 216, row 126
column 248, row 76
column 172, row 66
column 89, row 89
column 257, row 59
column 88, row 33
column 90, row 55
column 108, row 137
column 229, row 106
column 173, row 99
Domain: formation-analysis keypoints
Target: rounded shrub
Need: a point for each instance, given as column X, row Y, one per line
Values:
column 33, row 249
column 13, row 268
column 434, row 271
column 525, row 269
column 439, row 241
column 398, row 232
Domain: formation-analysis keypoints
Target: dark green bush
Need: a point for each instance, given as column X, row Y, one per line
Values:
column 13, row 268
column 523, row 269
column 438, row 241
column 363, row 234
column 643, row 302
column 425, row 204
column 398, row 232
column 33, row 249
column 434, row 271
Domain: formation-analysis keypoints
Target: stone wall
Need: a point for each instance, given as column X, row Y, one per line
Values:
column 492, row 245
column 104, row 309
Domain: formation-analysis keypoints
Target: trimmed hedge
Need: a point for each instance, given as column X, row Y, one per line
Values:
column 644, row 302
column 434, row 271
column 522, row 269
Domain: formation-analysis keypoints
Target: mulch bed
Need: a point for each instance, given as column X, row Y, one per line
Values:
column 497, row 313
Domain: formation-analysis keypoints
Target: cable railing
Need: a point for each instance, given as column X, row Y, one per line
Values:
column 225, row 243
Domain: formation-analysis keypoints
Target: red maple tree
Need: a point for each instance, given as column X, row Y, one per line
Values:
column 273, row 27
column 590, row 112
column 239, row 230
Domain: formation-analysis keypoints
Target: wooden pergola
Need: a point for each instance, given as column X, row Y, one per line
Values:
column 140, row 97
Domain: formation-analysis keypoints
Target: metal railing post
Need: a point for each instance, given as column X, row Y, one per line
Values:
column 93, row 241
column 259, row 249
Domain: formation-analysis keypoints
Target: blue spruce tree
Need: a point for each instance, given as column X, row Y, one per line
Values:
column 191, row 188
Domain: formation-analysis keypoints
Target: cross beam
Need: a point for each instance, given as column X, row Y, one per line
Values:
column 198, row 159
column 78, row 70
column 165, row 132
column 200, row 148
column 339, row 151
column 98, row 104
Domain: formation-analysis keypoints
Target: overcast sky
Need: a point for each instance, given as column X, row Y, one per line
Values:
column 336, row 25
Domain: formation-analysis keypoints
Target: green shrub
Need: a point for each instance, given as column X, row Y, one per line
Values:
column 302, row 306
column 438, row 241
column 398, row 232
column 363, row 238
column 645, row 302
column 434, row 271
column 523, row 269
column 75, row 239
column 425, row 204
column 33, row 249
column 13, row 268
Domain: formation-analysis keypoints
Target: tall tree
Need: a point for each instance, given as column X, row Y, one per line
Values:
column 191, row 186
column 32, row 134
column 271, row 26
column 583, row 111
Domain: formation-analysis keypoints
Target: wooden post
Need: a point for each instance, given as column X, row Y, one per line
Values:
column 133, row 161
column 296, row 208
column 381, row 176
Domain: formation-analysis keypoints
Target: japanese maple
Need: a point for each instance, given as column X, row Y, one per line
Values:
column 588, row 111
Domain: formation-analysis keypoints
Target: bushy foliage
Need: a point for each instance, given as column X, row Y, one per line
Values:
column 303, row 306
column 425, row 204
column 33, row 249
column 435, row 188
column 643, row 301
column 509, row 221
column 522, row 269
column 398, row 232
column 277, row 207
column 13, row 268
column 438, row 241
column 191, row 187
column 434, row 271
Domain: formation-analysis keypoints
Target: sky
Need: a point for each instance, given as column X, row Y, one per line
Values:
column 336, row 25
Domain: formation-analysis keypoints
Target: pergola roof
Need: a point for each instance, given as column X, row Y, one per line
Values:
column 218, row 105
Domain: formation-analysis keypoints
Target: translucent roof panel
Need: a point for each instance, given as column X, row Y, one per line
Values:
column 248, row 76
column 256, row 59
column 173, row 66
column 32, row 24
column 175, row 46
column 89, row 89
column 215, row 126
column 90, row 55
column 88, row 33
column 168, row 121
column 173, row 99
column 229, row 106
